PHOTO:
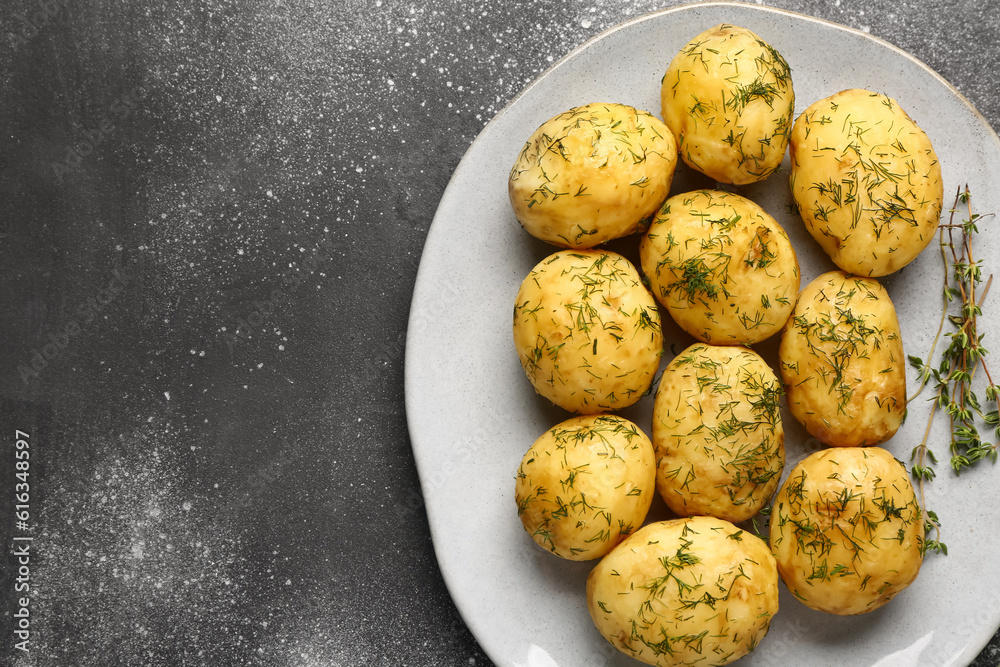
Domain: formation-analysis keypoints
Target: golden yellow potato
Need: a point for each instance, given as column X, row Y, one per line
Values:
column 695, row 591
column 866, row 181
column 585, row 485
column 727, row 96
column 717, row 432
column 592, row 174
column 842, row 363
column 724, row 269
column 846, row 530
column 587, row 331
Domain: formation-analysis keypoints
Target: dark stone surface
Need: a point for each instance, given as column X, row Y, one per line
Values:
column 212, row 216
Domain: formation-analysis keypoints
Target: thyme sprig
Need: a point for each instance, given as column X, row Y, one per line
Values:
column 953, row 376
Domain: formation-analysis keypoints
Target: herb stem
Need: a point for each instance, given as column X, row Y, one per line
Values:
column 954, row 374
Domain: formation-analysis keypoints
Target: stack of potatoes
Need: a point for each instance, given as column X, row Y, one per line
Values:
column 846, row 533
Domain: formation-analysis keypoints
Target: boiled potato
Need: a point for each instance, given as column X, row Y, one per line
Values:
column 592, row 174
column 717, row 432
column 727, row 96
column 842, row 363
column 695, row 591
column 587, row 331
column 585, row 485
column 724, row 269
column 846, row 530
column 866, row 181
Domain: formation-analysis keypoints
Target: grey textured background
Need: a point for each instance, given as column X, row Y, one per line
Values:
column 212, row 216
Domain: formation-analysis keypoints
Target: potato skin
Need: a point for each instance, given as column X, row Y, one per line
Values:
column 585, row 485
column 591, row 174
column 866, row 181
column 717, row 432
column 846, row 530
column 842, row 363
column 723, row 268
column 587, row 331
column 694, row 591
column 727, row 96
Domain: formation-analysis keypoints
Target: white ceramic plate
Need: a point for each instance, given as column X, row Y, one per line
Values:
column 472, row 413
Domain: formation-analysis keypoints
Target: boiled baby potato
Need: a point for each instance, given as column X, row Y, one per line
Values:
column 846, row 530
column 695, row 591
column 592, row 174
column 727, row 96
column 866, row 181
column 724, row 269
column 587, row 331
column 842, row 362
column 717, row 432
column 585, row 485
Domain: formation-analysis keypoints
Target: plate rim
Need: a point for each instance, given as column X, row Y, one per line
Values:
column 722, row 3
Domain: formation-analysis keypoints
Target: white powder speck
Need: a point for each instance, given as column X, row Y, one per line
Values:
column 129, row 555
